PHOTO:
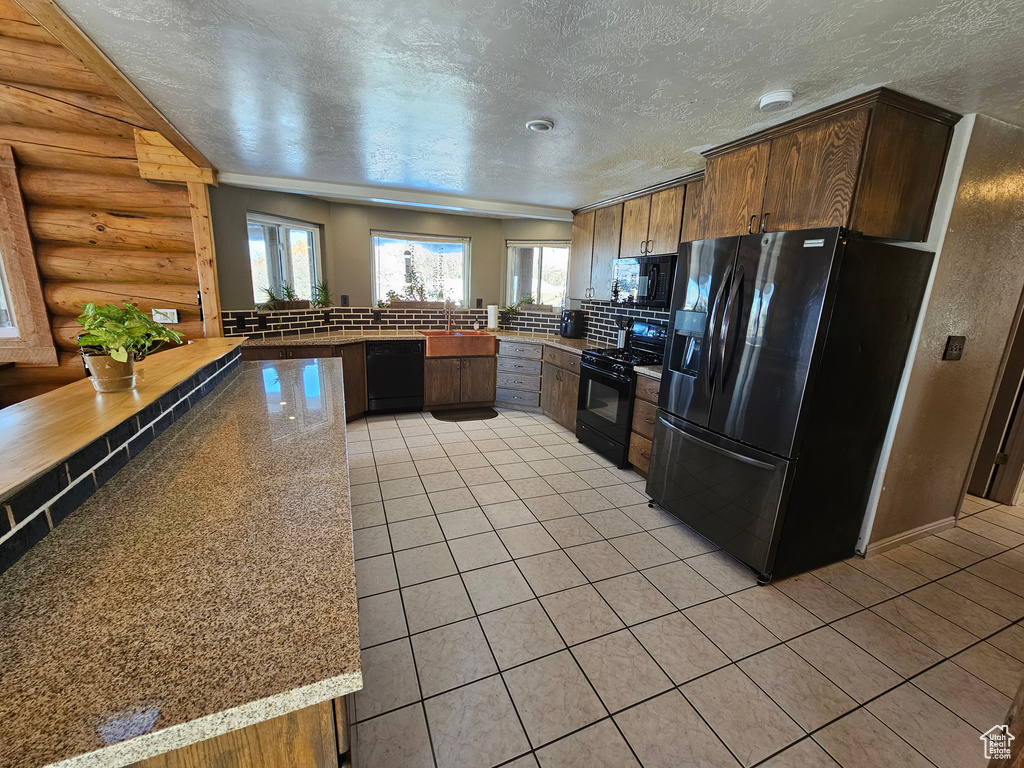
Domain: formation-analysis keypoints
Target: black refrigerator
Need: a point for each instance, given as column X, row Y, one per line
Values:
column 784, row 359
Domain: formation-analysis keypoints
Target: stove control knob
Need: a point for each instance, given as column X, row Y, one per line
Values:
column 619, row 368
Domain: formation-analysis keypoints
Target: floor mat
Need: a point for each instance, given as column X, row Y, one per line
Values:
column 465, row 414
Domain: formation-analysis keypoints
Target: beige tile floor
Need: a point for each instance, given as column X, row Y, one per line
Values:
column 520, row 604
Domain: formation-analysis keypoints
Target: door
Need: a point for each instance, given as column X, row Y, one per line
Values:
column 765, row 340
column 442, row 381
column 479, row 378
column 734, row 191
column 666, row 220
column 605, row 403
column 636, row 215
column 702, row 276
column 549, row 391
column 568, row 398
column 581, row 254
column 813, row 173
column 728, row 492
column 353, row 364
column 607, row 231
column 692, row 212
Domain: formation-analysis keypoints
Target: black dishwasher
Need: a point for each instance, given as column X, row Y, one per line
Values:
column 394, row 376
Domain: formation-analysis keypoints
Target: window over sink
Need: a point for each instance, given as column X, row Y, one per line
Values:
column 420, row 268
column 283, row 252
column 538, row 269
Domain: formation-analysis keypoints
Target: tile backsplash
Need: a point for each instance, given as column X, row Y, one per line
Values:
column 602, row 320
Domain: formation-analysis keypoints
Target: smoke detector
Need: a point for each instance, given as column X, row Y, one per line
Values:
column 776, row 100
column 540, row 125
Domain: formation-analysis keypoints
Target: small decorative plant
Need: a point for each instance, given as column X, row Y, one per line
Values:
column 286, row 299
column 512, row 310
column 322, row 295
column 115, row 339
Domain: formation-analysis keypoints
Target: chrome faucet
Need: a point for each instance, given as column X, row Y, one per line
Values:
column 449, row 316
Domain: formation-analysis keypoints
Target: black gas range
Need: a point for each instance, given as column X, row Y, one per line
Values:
column 607, row 385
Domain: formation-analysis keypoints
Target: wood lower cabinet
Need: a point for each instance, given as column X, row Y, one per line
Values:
column 306, row 738
column 560, row 387
column 353, row 364
column 290, row 352
column 451, row 381
column 645, row 410
column 519, row 375
column 478, row 379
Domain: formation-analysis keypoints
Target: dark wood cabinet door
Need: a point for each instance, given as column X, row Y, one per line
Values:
column 813, row 173
column 692, row 212
column 264, row 353
column 549, row 391
column 353, row 363
column 666, row 220
column 479, row 375
column 580, row 255
column 568, row 399
column 607, row 231
column 442, row 381
column 734, row 192
column 636, row 215
column 308, row 352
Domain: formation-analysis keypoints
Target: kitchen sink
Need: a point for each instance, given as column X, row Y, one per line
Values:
column 460, row 343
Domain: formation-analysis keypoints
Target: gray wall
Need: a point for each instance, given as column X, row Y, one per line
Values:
column 346, row 235
column 977, row 284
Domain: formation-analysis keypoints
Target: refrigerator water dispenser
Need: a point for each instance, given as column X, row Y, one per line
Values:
column 684, row 357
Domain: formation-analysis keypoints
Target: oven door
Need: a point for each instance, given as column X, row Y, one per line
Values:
column 605, row 411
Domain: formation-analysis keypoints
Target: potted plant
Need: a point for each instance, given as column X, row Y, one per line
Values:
column 321, row 295
column 115, row 339
column 287, row 299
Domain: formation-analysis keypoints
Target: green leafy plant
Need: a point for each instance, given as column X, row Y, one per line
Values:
column 321, row 295
column 512, row 310
column 122, row 332
column 288, row 293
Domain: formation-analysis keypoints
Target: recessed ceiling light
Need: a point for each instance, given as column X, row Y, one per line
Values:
column 540, row 125
column 776, row 100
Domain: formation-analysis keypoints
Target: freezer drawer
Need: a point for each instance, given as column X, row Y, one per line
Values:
column 730, row 493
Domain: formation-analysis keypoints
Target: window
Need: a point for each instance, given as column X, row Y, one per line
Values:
column 538, row 269
column 7, row 326
column 419, row 268
column 283, row 253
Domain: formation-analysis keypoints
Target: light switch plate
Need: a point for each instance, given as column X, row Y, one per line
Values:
column 167, row 316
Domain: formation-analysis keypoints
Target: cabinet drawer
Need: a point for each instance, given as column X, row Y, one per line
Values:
column 516, row 349
column 640, row 452
column 519, row 365
column 518, row 381
column 648, row 389
column 517, row 396
column 562, row 359
column 644, row 414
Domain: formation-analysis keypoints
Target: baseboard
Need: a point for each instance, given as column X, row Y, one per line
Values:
column 878, row 547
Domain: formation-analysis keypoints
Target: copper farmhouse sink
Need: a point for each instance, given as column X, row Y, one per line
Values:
column 460, row 343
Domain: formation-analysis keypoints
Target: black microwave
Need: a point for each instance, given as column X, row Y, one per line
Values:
column 644, row 281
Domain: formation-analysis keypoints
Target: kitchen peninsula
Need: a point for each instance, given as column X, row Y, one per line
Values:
column 207, row 587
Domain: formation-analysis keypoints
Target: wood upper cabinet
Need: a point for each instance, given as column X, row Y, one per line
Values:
column 353, row 364
column 813, row 173
column 581, row 255
column 734, row 192
column 636, row 217
column 607, row 234
column 479, row 375
column 663, row 234
column 442, row 381
column 692, row 211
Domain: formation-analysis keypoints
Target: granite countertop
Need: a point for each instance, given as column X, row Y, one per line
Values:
column 354, row 337
column 649, row 371
column 208, row 586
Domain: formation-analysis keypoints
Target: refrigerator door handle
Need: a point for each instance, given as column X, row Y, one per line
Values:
column 714, row 329
column 716, row 448
column 727, row 321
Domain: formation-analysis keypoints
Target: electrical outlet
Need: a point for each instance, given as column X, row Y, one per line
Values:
column 166, row 316
column 343, row 300
column 377, row 316
column 954, row 347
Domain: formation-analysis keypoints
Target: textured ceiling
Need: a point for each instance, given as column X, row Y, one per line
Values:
column 432, row 95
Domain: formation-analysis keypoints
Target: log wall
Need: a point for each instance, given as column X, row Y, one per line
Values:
column 100, row 232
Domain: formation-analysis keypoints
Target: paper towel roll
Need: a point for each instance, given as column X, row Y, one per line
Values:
column 492, row 316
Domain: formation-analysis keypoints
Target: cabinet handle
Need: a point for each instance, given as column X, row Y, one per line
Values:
column 649, row 421
column 764, row 223
column 650, row 246
column 750, row 224
column 643, row 246
column 458, row 363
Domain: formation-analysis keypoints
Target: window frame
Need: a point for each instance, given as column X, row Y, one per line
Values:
column 510, row 262
column 283, row 266
column 467, row 258
column 32, row 342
